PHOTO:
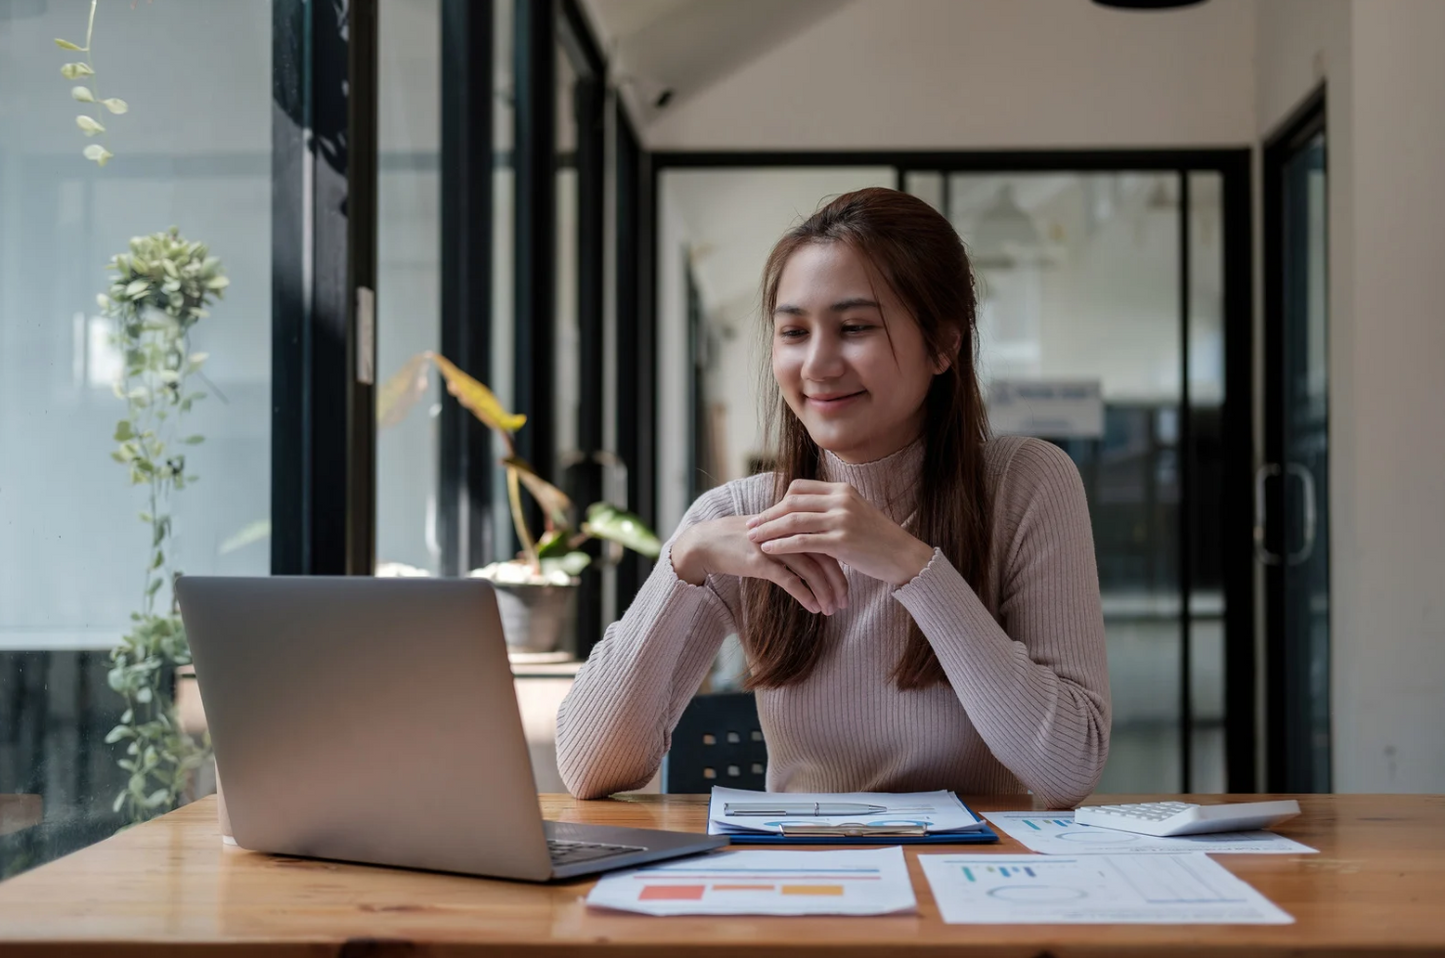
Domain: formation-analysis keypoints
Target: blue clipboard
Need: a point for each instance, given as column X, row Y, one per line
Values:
column 980, row 836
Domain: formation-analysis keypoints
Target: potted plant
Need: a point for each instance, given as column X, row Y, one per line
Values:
column 162, row 288
column 536, row 591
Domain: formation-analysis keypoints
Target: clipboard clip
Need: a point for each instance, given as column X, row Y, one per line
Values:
column 851, row 830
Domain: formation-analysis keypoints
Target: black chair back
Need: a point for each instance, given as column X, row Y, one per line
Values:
column 718, row 741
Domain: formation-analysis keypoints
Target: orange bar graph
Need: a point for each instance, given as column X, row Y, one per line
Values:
column 812, row 889
column 672, row 892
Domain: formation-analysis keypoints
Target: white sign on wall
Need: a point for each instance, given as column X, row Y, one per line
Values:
column 1050, row 408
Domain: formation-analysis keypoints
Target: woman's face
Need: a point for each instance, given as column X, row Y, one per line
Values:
column 856, row 384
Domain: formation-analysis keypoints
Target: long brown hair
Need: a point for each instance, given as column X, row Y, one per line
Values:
column 921, row 258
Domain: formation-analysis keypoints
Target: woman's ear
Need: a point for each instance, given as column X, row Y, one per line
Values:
column 944, row 361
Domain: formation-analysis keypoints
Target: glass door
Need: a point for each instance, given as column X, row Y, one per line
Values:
column 1292, row 486
column 1101, row 323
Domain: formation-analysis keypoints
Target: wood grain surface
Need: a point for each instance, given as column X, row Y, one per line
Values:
column 171, row 888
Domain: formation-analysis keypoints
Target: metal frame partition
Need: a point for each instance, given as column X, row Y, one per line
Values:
column 1295, row 758
column 1233, row 167
column 323, row 216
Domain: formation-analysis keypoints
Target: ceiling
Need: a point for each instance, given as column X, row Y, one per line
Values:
column 680, row 47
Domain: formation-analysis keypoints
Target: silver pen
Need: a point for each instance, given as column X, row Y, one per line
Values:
column 801, row 809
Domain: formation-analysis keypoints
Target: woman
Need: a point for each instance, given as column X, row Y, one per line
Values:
column 918, row 603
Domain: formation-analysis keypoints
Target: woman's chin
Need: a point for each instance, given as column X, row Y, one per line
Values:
column 841, row 442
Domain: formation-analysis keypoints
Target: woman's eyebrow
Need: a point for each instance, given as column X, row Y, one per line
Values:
column 842, row 306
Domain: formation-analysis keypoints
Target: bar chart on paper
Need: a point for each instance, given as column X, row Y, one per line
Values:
column 872, row 882
column 1151, row 889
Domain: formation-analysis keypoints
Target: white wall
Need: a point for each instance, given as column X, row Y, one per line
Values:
column 984, row 74
column 1386, row 148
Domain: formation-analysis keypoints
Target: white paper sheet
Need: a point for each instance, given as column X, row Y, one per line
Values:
column 1095, row 890
column 765, row 882
column 937, row 811
column 1056, row 833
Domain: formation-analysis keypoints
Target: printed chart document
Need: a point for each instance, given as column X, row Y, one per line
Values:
column 1099, row 889
column 865, row 882
column 1056, row 833
column 736, row 811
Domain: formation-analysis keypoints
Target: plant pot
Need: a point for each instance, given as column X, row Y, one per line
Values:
column 538, row 618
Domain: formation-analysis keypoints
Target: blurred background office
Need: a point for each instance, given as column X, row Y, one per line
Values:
column 1206, row 236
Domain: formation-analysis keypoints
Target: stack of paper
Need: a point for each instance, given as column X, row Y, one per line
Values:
column 849, row 882
column 735, row 811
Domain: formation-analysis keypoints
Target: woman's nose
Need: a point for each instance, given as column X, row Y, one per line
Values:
column 824, row 359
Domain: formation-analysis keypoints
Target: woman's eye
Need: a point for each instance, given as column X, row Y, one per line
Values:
column 857, row 328
column 791, row 333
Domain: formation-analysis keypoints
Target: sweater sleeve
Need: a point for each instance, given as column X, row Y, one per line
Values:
column 1035, row 683
column 616, row 723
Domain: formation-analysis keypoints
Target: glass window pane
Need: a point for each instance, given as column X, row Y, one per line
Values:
column 503, row 253
column 408, row 280
column 1079, row 285
column 565, row 355
column 77, row 551
column 1206, row 406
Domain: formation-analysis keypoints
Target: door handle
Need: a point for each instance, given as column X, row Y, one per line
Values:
column 1307, row 485
column 1261, row 476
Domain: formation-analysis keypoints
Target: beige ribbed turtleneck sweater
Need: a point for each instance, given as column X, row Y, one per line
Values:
column 1027, row 704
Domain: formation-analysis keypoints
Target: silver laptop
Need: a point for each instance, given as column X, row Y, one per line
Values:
column 374, row 720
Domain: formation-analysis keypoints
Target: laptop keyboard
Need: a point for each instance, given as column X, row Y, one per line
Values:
column 570, row 853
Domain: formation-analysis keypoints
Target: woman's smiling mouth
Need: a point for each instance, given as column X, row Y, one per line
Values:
column 827, row 402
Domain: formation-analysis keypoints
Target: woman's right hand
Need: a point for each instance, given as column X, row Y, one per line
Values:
column 722, row 547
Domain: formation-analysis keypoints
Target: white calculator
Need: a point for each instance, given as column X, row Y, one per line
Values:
column 1165, row 819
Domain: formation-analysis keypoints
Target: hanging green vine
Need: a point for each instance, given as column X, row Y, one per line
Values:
column 84, row 70
column 162, row 288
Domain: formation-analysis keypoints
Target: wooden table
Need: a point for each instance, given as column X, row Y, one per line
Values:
column 170, row 888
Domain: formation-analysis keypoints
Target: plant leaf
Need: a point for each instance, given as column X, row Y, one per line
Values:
column 554, row 501
column 88, row 125
column 98, row 153
column 572, row 563
column 74, row 71
column 123, row 431
column 476, row 397
column 115, row 105
column 67, row 45
column 83, row 94
column 552, row 544
column 606, row 521
column 402, row 390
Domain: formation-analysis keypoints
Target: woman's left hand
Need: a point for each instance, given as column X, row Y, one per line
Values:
column 831, row 518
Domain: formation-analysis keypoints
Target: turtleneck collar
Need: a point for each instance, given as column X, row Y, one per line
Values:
column 890, row 483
